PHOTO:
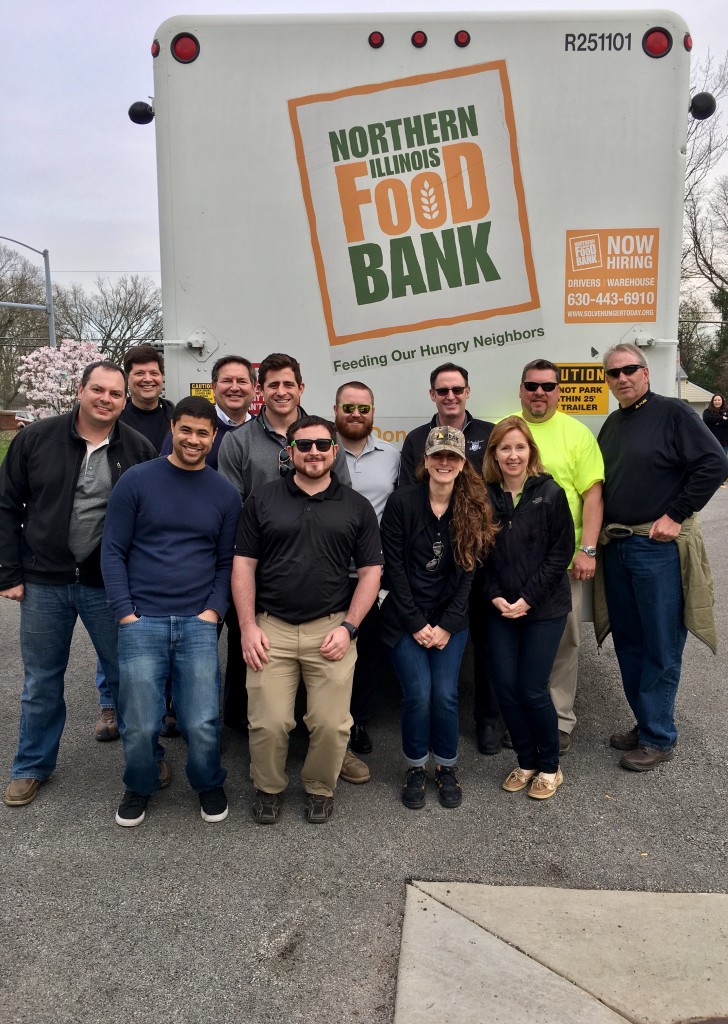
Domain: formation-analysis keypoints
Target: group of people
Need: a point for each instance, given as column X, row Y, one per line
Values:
column 345, row 552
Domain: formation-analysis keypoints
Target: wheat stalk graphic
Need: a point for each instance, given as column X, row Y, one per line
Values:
column 429, row 202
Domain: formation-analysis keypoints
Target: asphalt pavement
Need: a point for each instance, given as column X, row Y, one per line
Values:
column 186, row 921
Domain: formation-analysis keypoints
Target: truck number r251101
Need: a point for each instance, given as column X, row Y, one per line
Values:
column 580, row 42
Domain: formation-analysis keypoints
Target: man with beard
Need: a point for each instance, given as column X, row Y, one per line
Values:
column 373, row 468
column 296, row 541
column 255, row 455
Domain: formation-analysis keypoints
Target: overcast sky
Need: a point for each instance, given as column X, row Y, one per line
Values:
column 78, row 178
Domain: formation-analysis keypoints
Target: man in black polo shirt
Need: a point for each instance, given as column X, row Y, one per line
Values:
column 296, row 540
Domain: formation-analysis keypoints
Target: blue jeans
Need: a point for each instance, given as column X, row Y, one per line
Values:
column 521, row 654
column 105, row 698
column 429, row 681
column 645, row 604
column 149, row 649
column 48, row 615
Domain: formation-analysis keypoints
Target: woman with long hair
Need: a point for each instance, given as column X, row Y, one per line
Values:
column 434, row 534
column 528, row 594
column 715, row 417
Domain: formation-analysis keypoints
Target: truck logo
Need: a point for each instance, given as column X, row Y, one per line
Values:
column 415, row 202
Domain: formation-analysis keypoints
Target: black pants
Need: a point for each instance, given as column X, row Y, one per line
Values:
column 235, row 695
column 485, row 704
column 369, row 665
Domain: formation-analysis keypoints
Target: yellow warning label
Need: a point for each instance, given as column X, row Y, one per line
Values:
column 583, row 389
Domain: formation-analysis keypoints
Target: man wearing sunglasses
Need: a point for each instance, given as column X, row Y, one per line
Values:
column 662, row 465
column 256, row 454
column 449, row 390
column 296, row 541
column 570, row 453
column 374, row 468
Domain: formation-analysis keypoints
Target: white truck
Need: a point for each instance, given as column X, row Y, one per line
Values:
column 378, row 194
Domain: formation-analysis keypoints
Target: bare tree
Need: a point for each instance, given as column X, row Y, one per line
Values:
column 695, row 333
column 705, row 240
column 20, row 329
column 707, row 140
column 707, row 226
column 116, row 315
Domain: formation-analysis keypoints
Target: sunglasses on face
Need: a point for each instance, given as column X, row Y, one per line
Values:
column 323, row 444
column 444, row 392
column 350, row 407
column 628, row 370
column 533, row 385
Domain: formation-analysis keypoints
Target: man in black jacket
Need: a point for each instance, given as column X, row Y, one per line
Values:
column 449, row 390
column 54, row 486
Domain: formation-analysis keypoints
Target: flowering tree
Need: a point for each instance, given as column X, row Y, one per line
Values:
column 50, row 376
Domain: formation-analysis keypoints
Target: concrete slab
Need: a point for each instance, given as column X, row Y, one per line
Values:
column 652, row 957
column 454, row 972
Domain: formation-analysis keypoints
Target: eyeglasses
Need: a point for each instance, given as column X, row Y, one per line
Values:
column 323, row 444
column 350, row 407
column 437, row 549
column 547, row 385
column 444, row 392
column 628, row 370
column 284, row 462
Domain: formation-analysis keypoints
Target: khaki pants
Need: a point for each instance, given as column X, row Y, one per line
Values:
column 562, row 682
column 294, row 651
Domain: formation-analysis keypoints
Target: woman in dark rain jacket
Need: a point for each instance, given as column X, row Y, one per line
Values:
column 528, row 595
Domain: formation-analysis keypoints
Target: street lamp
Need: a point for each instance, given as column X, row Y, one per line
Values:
column 48, row 308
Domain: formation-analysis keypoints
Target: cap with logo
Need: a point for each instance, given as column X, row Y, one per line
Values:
column 445, row 439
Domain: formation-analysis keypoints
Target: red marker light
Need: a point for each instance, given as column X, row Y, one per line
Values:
column 688, row 42
column 185, row 48
column 657, row 42
column 376, row 39
column 419, row 39
column 155, row 48
column 462, row 38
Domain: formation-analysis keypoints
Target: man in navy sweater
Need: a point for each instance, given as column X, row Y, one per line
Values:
column 166, row 558
column 661, row 466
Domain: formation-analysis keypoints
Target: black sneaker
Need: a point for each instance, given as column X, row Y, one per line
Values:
column 413, row 790
column 360, row 741
column 131, row 809
column 213, row 804
column 449, row 792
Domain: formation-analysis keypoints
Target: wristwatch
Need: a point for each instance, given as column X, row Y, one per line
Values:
column 353, row 630
column 588, row 550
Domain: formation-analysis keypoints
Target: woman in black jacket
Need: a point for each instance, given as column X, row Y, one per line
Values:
column 433, row 535
column 715, row 417
column 526, row 585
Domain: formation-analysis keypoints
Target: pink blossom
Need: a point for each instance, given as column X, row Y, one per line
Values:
column 50, row 376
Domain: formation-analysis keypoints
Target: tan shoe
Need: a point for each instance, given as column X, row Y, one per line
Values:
column 517, row 780
column 353, row 770
column 21, row 792
column 542, row 788
column 107, row 728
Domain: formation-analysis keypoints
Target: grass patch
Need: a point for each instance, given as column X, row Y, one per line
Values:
column 6, row 437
